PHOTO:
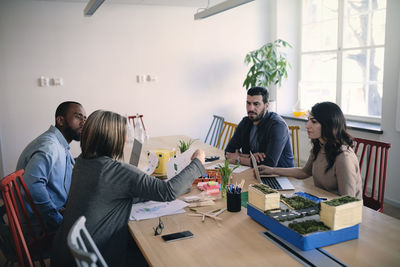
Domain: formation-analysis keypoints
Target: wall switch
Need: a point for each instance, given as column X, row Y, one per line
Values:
column 56, row 81
column 151, row 78
column 140, row 78
column 43, row 81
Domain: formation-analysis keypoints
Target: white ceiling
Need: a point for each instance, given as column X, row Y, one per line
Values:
column 185, row 3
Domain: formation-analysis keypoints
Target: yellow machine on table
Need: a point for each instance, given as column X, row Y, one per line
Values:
column 163, row 157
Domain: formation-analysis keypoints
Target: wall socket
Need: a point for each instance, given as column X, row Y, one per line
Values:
column 56, row 81
column 140, row 78
column 43, row 81
column 46, row 81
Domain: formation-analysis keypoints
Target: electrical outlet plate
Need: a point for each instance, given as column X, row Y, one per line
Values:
column 43, row 81
column 57, row 81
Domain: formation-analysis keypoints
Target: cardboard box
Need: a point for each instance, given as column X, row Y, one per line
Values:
column 262, row 200
column 339, row 217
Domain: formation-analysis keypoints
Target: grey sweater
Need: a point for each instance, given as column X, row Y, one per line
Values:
column 103, row 190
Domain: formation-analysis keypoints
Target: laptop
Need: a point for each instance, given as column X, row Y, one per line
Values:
column 135, row 154
column 277, row 183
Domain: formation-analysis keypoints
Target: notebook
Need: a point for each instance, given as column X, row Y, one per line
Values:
column 277, row 183
column 135, row 154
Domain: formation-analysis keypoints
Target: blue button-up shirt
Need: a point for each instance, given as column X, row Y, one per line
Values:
column 48, row 166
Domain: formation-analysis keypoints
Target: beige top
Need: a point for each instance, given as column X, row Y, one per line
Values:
column 343, row 178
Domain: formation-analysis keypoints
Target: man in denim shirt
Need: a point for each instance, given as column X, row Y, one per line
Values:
column 262, row 132
column 48, row 163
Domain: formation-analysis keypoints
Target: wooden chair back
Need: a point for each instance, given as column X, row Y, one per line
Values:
column 226, row 134
column 294, row 130
column 215, row 130
column 373, row 159
column 16, row 197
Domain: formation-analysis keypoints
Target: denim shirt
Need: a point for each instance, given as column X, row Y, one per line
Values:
column 48, row 174
column 273, row 140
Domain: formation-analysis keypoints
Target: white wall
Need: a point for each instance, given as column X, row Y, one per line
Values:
column 199, row 65
column 390, row 94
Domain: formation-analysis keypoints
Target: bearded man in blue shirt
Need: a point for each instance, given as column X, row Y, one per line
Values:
column 262, row 132
column 47, row 163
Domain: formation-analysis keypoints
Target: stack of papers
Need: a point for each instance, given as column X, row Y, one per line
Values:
column 154, row 209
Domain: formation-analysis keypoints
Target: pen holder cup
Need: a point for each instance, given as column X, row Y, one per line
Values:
column 234, row 201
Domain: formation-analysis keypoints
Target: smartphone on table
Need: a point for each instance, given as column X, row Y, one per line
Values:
column 177, row 236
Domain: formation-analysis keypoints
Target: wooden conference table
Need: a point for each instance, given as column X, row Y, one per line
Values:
column 237, row 240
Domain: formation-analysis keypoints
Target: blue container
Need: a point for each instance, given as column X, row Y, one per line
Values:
column 303, row 242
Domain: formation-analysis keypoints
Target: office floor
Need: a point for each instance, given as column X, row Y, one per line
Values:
column 391, row 211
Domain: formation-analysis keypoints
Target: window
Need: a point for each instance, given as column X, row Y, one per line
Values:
column 342, row 51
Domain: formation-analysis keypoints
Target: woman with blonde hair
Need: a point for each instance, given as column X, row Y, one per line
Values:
column 103, row 189
column 332, row 162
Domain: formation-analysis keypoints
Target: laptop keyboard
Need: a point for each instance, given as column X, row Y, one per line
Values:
column 271, row 182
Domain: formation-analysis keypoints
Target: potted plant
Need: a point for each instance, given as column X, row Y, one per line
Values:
column 183, row 146
column 269, row 65
column 226, row 173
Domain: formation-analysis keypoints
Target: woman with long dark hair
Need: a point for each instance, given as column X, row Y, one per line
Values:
column 332, row 162
column 103, row 189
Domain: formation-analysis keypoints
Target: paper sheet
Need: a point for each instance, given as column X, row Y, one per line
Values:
column 152, row 162
column 176, row 165
column 240, row 169
column 154, row 209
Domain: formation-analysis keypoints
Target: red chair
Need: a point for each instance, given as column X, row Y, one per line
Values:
column 14, row 191
column 377, row 153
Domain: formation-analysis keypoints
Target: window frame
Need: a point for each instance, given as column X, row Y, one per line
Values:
column 339, row 53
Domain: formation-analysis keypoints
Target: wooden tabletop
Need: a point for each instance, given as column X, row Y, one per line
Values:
column 236, row 240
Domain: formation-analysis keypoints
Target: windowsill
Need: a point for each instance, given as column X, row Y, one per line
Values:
column 354, row 125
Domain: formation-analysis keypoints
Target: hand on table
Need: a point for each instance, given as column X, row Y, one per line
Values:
column 232, row 156
column 263, row 169
column 200, row 155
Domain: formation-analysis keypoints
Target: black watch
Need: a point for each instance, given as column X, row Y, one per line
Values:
column 237, row 161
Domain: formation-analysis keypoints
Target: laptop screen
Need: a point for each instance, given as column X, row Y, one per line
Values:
column 255, row 166
column 284, row 183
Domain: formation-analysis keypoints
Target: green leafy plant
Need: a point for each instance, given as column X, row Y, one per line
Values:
column 309, row 226
column 264, row 188
column 269, row 65
column 183, row 146
column 341, row 200
column 225, row 172
column 298, row 202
